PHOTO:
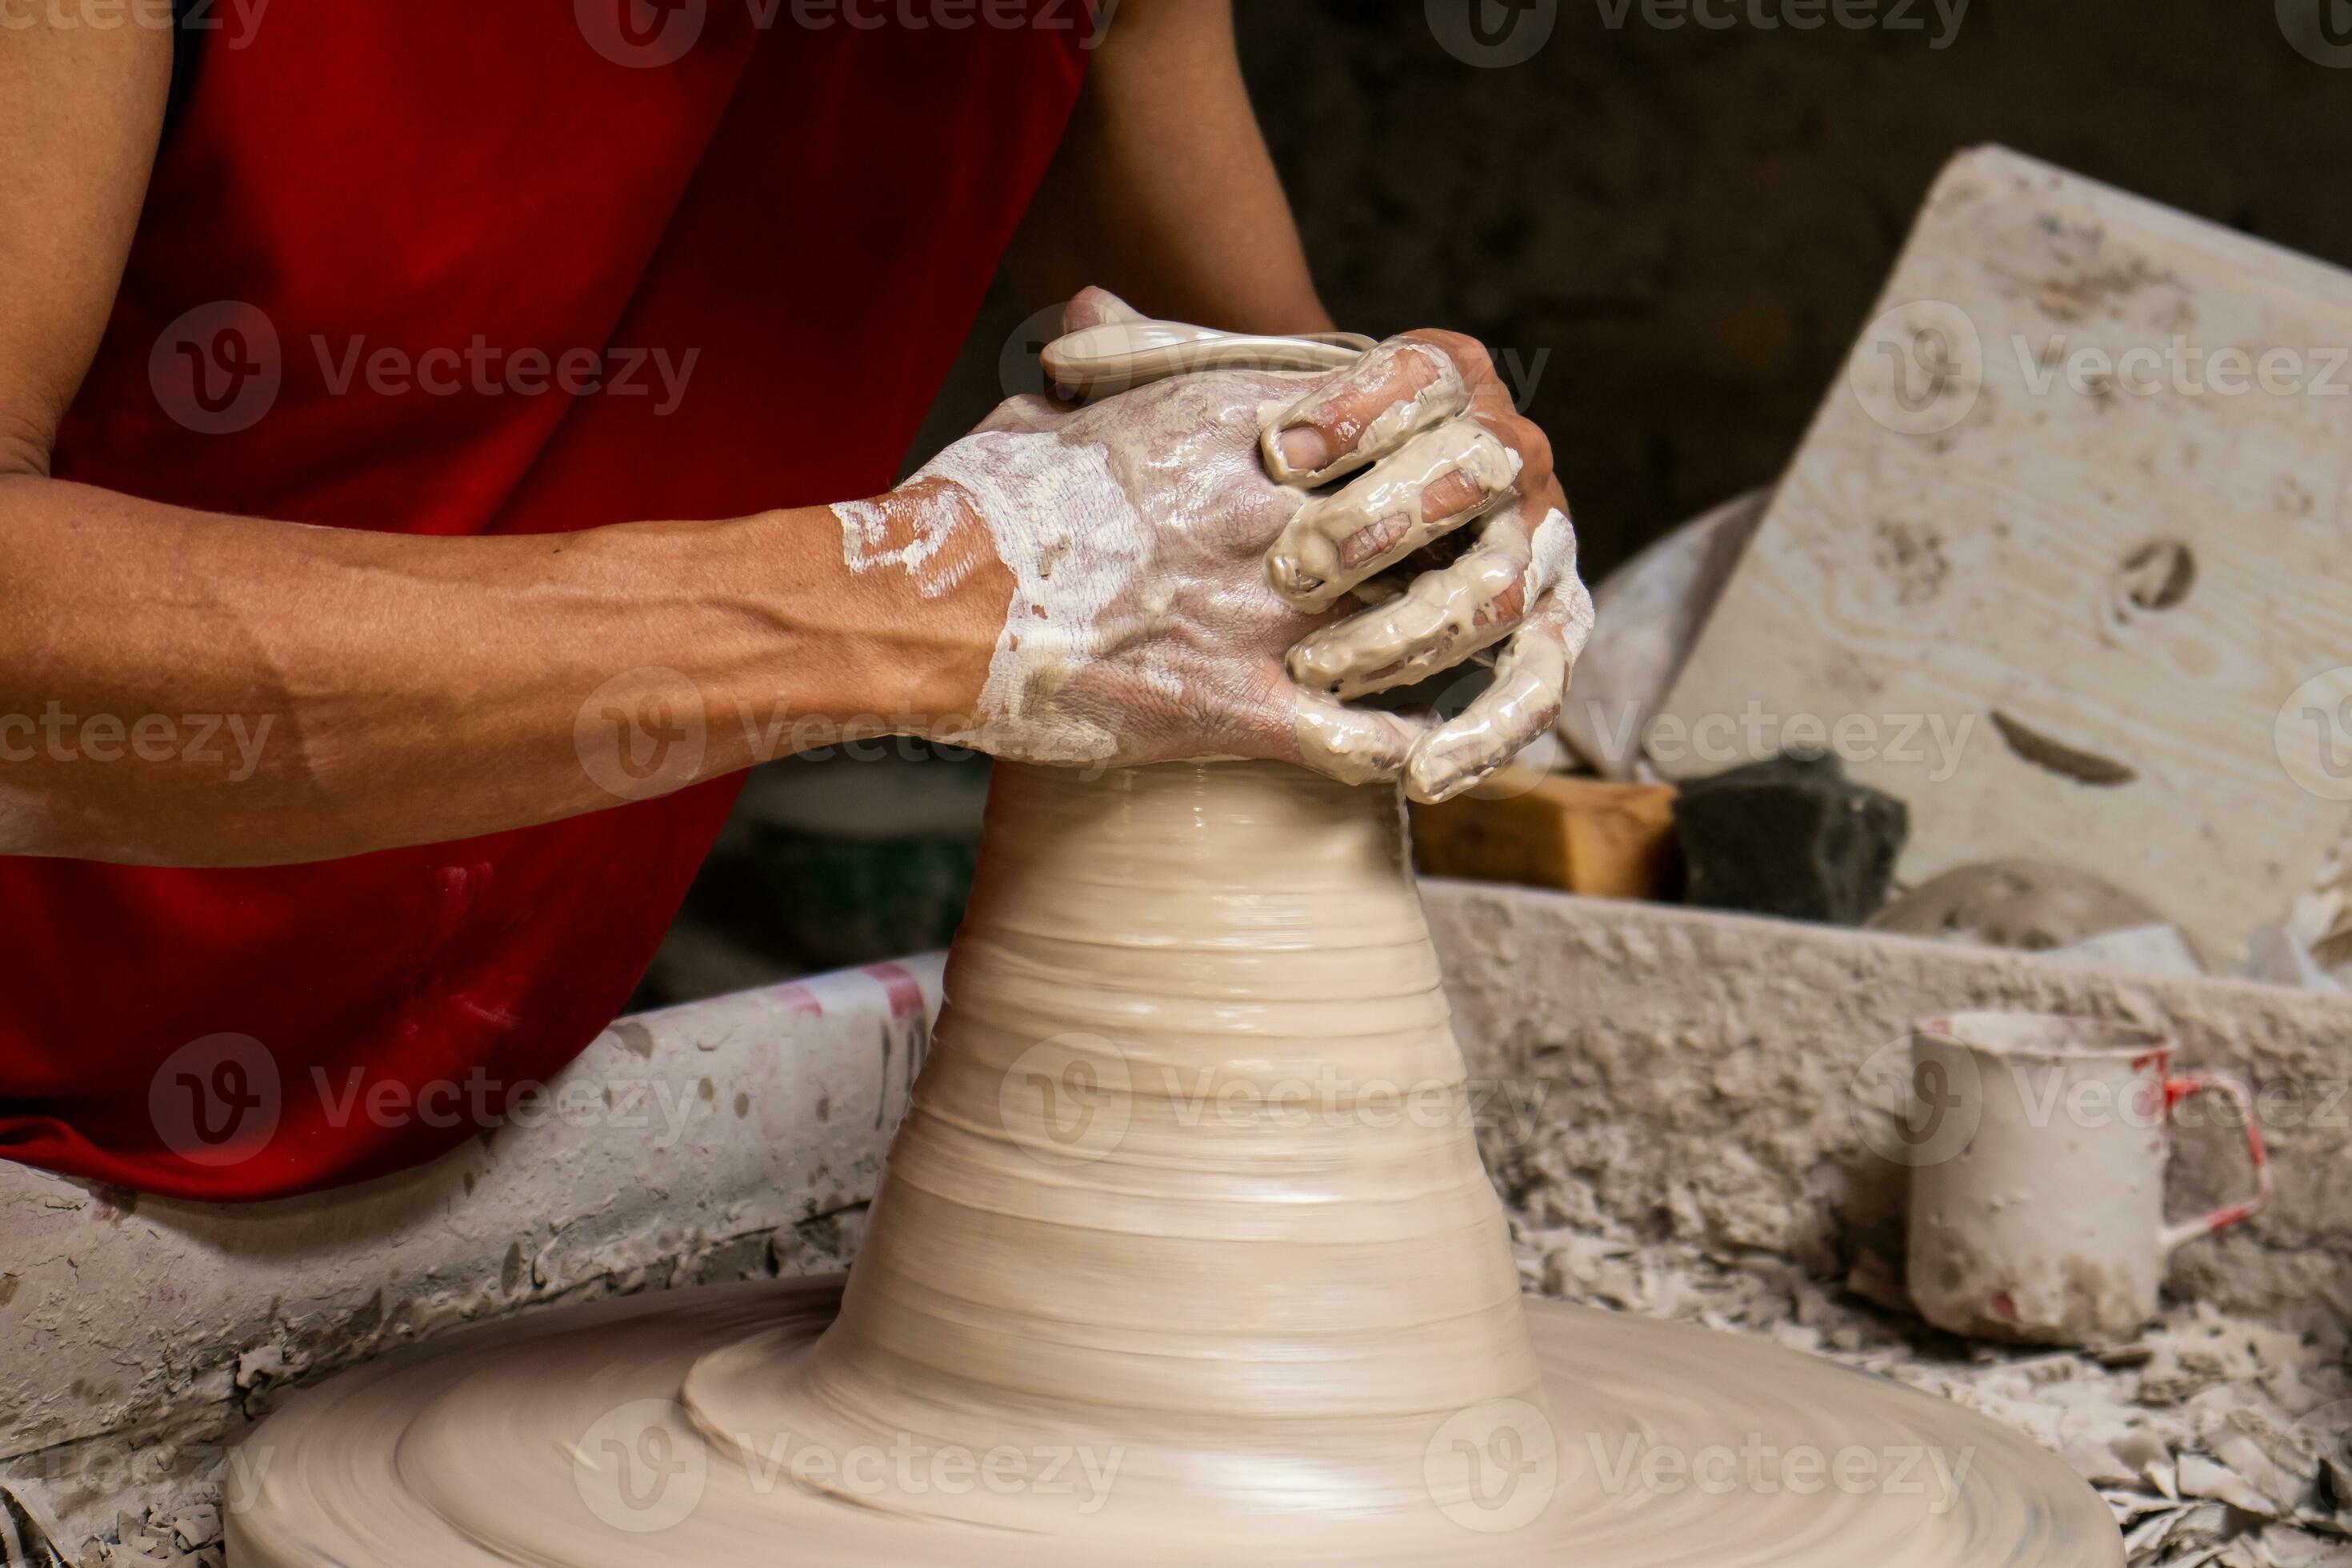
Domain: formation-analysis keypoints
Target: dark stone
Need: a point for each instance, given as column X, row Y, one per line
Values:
column 1791, row 837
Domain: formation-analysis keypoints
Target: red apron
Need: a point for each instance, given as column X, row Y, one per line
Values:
column 785, row 193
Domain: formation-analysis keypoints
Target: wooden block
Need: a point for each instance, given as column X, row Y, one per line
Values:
column 1582, row 836
column 2061, row 562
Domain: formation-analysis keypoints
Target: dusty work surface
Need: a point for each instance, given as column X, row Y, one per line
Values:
column 1718, row 1080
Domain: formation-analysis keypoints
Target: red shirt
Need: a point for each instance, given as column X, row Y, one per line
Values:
column 757, row 231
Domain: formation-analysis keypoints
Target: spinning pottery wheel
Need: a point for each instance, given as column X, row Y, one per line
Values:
column 1184, row 1253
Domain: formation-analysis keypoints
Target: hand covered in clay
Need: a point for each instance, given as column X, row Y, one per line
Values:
column 1430, row 446
column 1179, row 582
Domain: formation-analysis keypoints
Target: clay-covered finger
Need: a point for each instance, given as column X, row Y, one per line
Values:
column 1442, row 619
column 1354, row 745
column 1531, row 683
column 1399, row 389
column 1435, row 483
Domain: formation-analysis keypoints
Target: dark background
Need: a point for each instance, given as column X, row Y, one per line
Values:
column 1668, row 236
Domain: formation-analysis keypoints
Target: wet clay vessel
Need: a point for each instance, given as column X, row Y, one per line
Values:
column 1184, row 1252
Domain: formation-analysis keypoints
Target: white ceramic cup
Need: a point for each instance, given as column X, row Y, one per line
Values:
column 2037, row 1209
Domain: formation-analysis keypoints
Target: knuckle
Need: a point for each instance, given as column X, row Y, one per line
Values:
column 1335, row 411
column 1508, row 607
column 25, row 443
column 1320, row 664
column 1298, row 587
column 1532, row 441
column 1469, row 355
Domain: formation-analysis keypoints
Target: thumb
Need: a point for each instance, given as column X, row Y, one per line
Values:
column 1096, row 307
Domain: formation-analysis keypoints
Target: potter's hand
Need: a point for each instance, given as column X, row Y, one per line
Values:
column 1144, row 625
column 1443, row 449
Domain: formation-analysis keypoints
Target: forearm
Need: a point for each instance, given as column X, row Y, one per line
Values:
column 181, row 688
column 1163, row 191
